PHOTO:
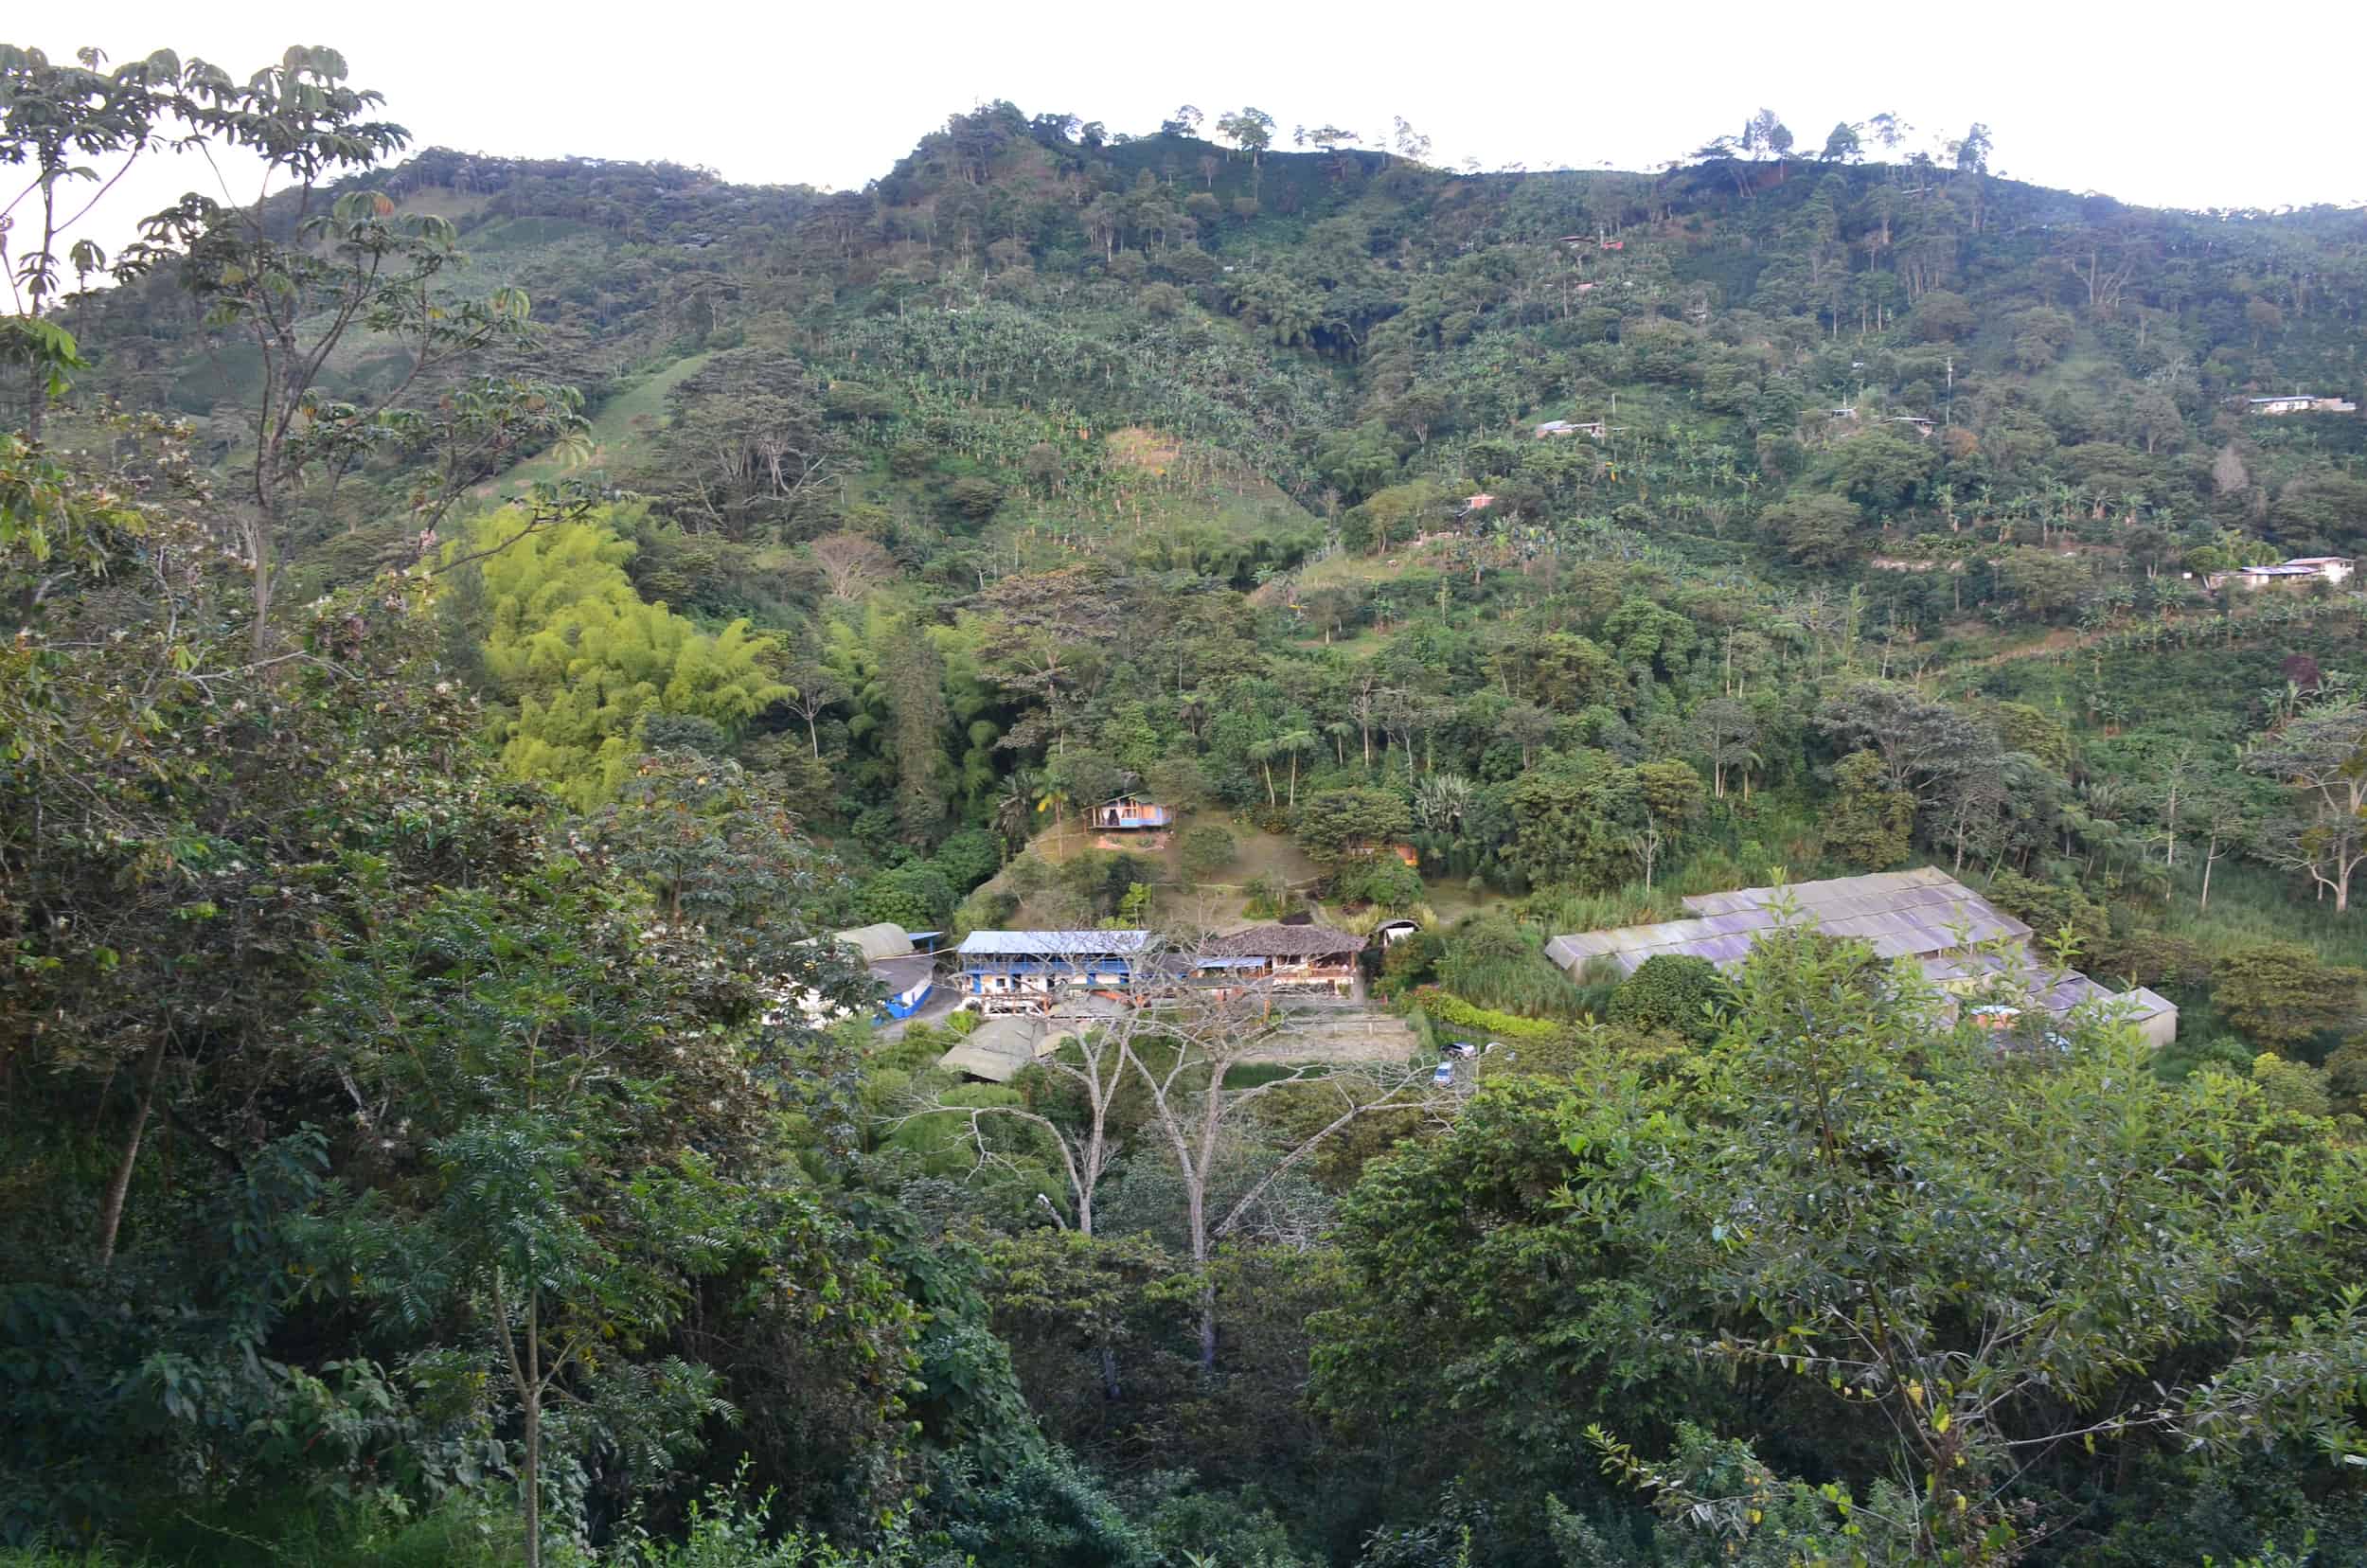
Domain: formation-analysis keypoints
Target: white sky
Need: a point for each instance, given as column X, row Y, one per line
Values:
column 2168, row 104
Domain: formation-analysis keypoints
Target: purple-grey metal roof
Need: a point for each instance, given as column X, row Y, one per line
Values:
column 1055, row 944
column 1899, row 914
column 1949, row 932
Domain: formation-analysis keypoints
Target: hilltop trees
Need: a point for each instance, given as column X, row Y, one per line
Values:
column 1250, row 130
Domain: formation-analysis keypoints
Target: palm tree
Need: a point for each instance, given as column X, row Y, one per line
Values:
column 1052, row 795
column 1262, row 753
column 1742, row 761
column 1295, row 744
column 1014, row 806
column 1340, row 729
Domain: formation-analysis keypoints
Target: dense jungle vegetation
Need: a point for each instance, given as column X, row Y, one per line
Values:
column 479, row 618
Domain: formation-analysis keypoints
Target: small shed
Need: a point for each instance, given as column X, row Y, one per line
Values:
column 1390, row 933
column 876, row 942
column 997, row 1049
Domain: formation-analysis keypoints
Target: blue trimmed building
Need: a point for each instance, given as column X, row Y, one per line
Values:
column 1015, row 971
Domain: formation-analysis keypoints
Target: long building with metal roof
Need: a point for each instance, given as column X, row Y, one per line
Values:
column 1014, row 971
column 1925, row 916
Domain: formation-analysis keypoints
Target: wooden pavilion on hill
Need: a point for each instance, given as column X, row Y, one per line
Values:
column 1128, row 812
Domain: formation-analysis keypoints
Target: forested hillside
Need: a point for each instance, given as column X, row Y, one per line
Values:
column 487, row 622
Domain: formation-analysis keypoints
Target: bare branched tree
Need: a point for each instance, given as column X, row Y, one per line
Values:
column 1197, row 1035
column 1180, row 1031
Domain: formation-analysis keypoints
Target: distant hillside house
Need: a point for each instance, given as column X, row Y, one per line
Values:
column 1289, row 957
column 1964, row 944
column 2300, row 402
column 1025, row 970
column 1551, row 428
column 1129, row 812
column 2295, row 573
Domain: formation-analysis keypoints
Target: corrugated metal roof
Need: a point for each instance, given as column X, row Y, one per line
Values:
column 1899, row 914
column 996, row 1050
column 902, row 974
column 875, row 942
column 1053, row 944
column 1924, row 915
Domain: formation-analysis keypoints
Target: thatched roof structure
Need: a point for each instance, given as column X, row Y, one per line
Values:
column 1286, row 941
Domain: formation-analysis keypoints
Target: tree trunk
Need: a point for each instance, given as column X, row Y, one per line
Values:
column 1196, row 1206
column 111, row 1211
column 530, row 1481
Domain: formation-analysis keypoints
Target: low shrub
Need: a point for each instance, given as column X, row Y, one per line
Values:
column 1451, row 1015
column 1671, row 990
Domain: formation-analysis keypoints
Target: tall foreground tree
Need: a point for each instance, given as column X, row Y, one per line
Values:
column 295, row 1027
column 297, row 275
column 77, row 127
column 1995, row 1283
column 1185, row 1063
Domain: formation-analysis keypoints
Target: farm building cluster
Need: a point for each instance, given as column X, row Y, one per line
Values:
column 1036, row 971
column 1032, row 987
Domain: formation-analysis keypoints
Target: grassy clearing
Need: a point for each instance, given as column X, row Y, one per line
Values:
column 2253, row 903
column 1216, row 904
column 621, row 430
column 1452, row 899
